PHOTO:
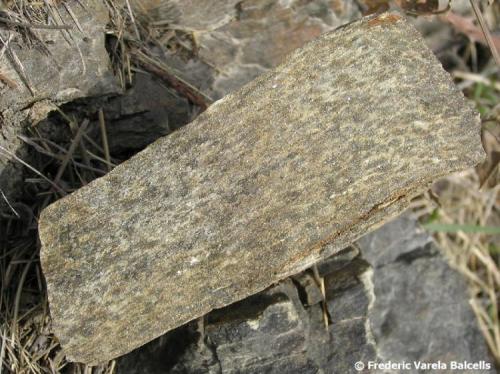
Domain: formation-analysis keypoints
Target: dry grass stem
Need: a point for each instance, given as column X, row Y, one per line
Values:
column 13, row 156
column 104, row 136
column 321, row 283
column 472, row 252
column 486, row 31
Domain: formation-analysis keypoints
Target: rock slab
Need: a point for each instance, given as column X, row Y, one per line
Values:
column 274, row 177
column 395, row 299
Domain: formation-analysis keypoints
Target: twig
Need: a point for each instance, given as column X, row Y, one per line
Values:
column 96, row 157
column 481, row 316
column 35, row 25
column 18, row 65
column 5, row 45
column 129, row 69
column 2, row 350
column 486, row 31
column 71, row 150
column 131, row 13
column 49, row 153
column 476, row 78
column 105, row 145
column 167, row 74
column 321, row 282
column 74, row 143
column 56, row 187
column 11, row 208
column 73, row 17
column 56, row 15
column 83, row 152
column 18, row 296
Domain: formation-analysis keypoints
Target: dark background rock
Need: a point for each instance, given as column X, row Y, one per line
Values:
column 418, row 299
column 145, row 112
column 61, row 69
column 192, row 15
column 256, row 38
column 411, row 306
column 264, row 32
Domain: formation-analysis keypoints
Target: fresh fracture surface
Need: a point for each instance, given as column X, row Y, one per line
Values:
column 286, row 171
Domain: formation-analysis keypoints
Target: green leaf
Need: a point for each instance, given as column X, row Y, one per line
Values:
column 433, row 217
column 494, row 250
column 444, row 227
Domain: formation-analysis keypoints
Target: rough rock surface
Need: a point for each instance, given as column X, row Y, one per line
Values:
column 394, row 300
column 62, row 68
column 284, row 172
column 255, row 38
column 418, row 299
column 192, row 15
column 263, row 33
column 145, row 111
column 60, row 72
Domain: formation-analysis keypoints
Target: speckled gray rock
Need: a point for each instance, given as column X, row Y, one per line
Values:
column 286, row 171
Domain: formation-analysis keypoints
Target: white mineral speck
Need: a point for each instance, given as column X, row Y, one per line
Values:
column 253, row 324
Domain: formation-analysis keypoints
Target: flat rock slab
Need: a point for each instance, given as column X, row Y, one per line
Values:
column 284, row 172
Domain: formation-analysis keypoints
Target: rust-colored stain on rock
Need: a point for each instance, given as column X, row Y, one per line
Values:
column 384, row 19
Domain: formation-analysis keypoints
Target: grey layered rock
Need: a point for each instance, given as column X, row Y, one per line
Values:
column 416, row 298
column 193, row 15
column 265, row 31
column 254, row 38
column 276, row 176
column 145, row 112
column 63, row 66
column 69, row 64
column 394, row 300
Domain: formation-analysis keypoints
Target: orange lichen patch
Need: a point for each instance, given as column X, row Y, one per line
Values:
column 384, row 19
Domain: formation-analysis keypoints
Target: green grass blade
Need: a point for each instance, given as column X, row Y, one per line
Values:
column 475, row 229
